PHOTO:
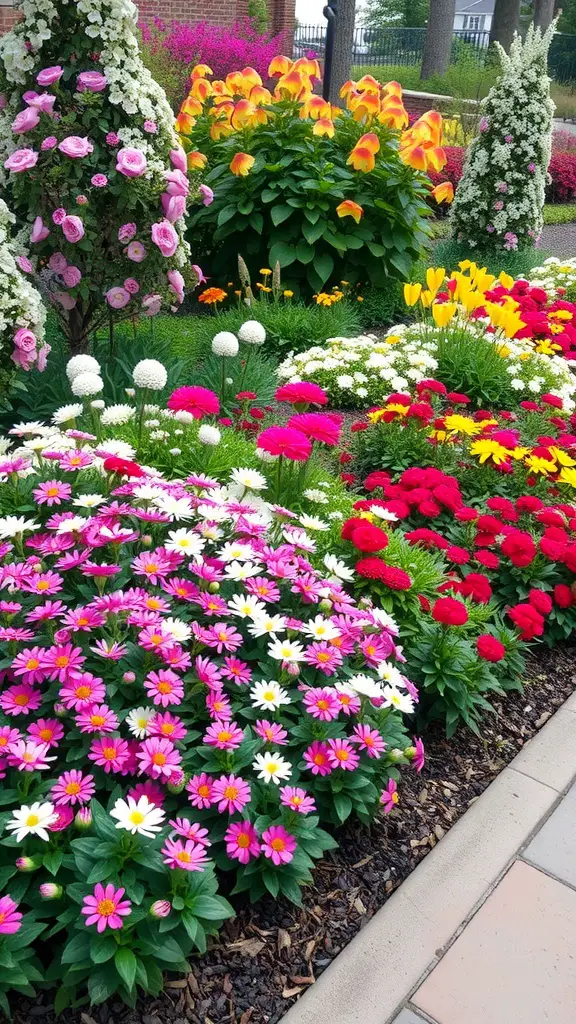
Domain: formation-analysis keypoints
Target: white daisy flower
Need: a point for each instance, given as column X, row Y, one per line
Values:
column 187, row 541
column 268, row 695
column 286, row 650
column 336, row 567
column 138, row 721
column 241, row 570
column 264, row 624
column 246, row 606
column 88, row 500
column 32, row 820
column 321, row 628
column 138, row 816
column 401, row 701
column 250, row 479
column 271, row 767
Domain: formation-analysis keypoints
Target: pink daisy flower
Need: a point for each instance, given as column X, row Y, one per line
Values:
column 155, row 794
column 61, row 660
column 151, row 565
column 236, row 671
column 201, row 790
column 110, row 753
column 175, row 657
column 317, row 758
column 188, row 856
column 72, row 787
column 151, row 638
column 242, row 841
column 271, row 732
column 164, row 687
column 47, row 611
column 29, row 756
column 97, row 718
column 342, row 755
column 110, row 649
column 419, row 759
column 211, row 604
column 83, row 619
column 72, row 461
column 223, row 637
column 8, row 735
column 324, row 656
column 321, row 703
column 28, row 664
column 20, row 700
column 208, row 673
column 158, row 757
column 231, row 793
column 389, row 797
column 82, row 690
column 350, row 703
column 278, row 845
column 10, row 916
column 223, row 735
column 43, row 583
column 52, row 492
column 191, row 830
column 46, row 730
column 106, row 908
column 297, row 799
column 262, row 587
column 167, row 725
column 218, row 705
column 369, row 740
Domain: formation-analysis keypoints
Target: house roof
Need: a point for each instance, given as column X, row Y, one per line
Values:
column 475, row 7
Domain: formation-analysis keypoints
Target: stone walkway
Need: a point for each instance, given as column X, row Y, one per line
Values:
column 484, row 930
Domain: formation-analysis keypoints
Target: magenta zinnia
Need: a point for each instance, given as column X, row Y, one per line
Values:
column 106, row 908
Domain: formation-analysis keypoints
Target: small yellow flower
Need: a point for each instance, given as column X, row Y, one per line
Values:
column 462, row 425
column 393, row 339
column 359, row 298
column 412, row 293
column 288, row 294
column 265, row 272
column 487, row 449
column 443, row 313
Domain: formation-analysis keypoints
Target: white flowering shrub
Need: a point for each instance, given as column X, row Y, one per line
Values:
column 357, row 372
column 500, row 198
column 555, row 274
column 91, row 163
column 22, row 314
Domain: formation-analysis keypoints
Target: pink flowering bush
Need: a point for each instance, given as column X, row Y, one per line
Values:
column 92, row 166
column 182, row 689
column 22, row 314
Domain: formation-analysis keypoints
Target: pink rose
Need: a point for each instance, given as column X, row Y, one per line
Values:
column 165, row 237
column 21, row 160
column 23, row 359
column 24, row 264
column 73, row 228
column 151, row 127
column 151, row 304
column 112, row 139
column 50, row 75
column 42, row 101
column 57, row 262
column 71, row 276
column 91, row 81
column 207, row 195
column 118, row 297
column 39, row 231
column 25, row 121
column 177, row 183
column 178, row 159
column 81, row 200
column 99, row 180
column 76, row 147
column 50, row 142
column 131, row 285
column 199, row 274
column 43, row 357
column 174, row 206
column 58, row 215
column 131, row 162
column 25, row 340
column 126, row 232
column 64, row 300
column 176, row 284
column 135, row 252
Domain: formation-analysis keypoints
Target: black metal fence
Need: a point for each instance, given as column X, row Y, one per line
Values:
column 405, row 46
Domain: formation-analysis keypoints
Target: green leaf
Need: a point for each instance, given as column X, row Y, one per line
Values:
column 53, row 860
column 102, row 948
column 103, row 823
column 323, row 265
column 77, row 949
column 125, row 964
column 62, row 999
column 226, row 214
column 282, row 253
column 101, row 985
column 343, row 805
column 280, row 213
column 212, row 908
column 312, row 232
column 304, row 252
column 191, row 924
column 271, row 881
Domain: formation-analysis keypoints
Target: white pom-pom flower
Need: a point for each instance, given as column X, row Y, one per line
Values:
column 151, row 374
column 81, row 364
column 117, row 415
column 252, row 333
column 209, row 435
column 225, row 344
column 86, row 384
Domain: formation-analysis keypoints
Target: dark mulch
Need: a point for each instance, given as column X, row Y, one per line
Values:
column 273, row 951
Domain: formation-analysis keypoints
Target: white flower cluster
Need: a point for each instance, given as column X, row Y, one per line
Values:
column 500, row 198
column 554, row 274
column 20, row 303
column 360, row 371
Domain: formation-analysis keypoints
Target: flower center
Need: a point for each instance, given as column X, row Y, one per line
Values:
column 268, row 695
column 319, row 759
column 151, row 567
column 21, row 700
column 231, row 792
column 243, row 840
column 32, row 820
column 97, row 720
column 342, row 755
column 83, row 692
column 32, row 663
column 106, row 908
column 27, row 757
column 167, row 729
column 62, row 661
column 109, row 753
column 395, row 798
column 272, row 768
column 136, row 817
column 159, row 758
column 224, row 736
column 52, row 492
column 164, row 687
column 83, row 622
column 72, row 788
column 278, row 844
column 322, row 704
column 42, row 585
column 156, row 638
column 296, row 800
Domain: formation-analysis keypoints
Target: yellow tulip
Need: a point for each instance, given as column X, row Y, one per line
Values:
column 505, row 280
column 443, row 313
column 435, row 277
column 412, row 292
column 427, row 298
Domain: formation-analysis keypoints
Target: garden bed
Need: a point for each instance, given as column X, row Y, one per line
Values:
column 272, row 951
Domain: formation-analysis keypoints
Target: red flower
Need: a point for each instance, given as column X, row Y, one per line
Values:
column 376, row 569
column 466, row 514
column 286, row 441
column 528, row 621
column 301, row 393
column 450, row 612
column 317, row 427
column 529, row 503
column 377, row 479
column 505, row 507
column 562, row 595
column 114, row 464
column 530, row 406
column 459, row 556
column 197, row 401
column 359, row 425
column 435, row 387
column 488, row 559
column 424, row 603
column 477, row 587
column 552, row 400
column 369, row 538
column 541, row 601
column 428, row 538
column 519, row 548
column 350, row 525
column 490, row 648
column 454, row 396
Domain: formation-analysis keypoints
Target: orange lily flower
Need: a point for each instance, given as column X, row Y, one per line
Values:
column 308, row 67
column 436, row 157
column 444, row 192
column 348, row 208
column 324, row 126
column 392, row 89
column 235, row 83
column 414, row 156
column 366, row 105
column 196, row 161
column 279, row 66
column 220, row 89
column 362, row 159
column 241, row 164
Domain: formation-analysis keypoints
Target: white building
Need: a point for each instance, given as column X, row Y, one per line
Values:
column 475, row 16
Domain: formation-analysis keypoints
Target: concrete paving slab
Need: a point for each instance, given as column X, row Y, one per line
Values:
column 409, row 1017
column 554, row 848
column 514, row 963
column 549, row 756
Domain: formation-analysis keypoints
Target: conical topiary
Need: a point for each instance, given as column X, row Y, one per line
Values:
column 93, row 169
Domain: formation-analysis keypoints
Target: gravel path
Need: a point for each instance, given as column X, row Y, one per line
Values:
column 559, row 240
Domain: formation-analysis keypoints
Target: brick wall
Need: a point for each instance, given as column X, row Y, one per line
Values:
column 219, row 12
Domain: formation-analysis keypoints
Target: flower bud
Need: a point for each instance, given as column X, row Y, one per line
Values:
column 177, row 781
column 60, row 710
column 50, row 891
column 161, row 908
column 27, row 864
column 129, row 677
column 396, row 756
column 410, row 753
column 292, row 668
column 146, row 540
column 325, row 605
column 83, row 819
column 213, row 588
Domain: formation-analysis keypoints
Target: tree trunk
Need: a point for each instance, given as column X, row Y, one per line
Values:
column 543, row 13
column 506, row 22
column 438, row 39
column 343, row 47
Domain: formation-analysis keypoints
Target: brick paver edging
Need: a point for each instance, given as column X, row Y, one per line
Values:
column 374, row 976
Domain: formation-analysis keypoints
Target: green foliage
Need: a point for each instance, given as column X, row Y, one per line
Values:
column 467, row 78
column 252, row 371
column 382, row 307
column 395, row 13
column 559, row 213
column 517, row 264
column 284, row 209
column 473, row 365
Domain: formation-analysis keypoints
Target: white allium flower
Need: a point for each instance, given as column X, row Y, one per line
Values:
column 184, row 417
column 209, row 435
column 82, row 364
column 86, row 384
column 150, row 374
column 117, row 415
column 66, row 413
column 252, row 333
column 225, row 344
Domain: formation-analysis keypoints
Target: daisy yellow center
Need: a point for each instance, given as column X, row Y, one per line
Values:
column 272, row 768
column 83, row 621
column 83, row 692
column 151, row 567
column 142, row 723
column 62, row 661
column 75, row 460
column 27, row 757
column 136, row 817
column 268, row 695
column 320, row 630
column 97, row 721
column 106, row 907
column 278, row 845
column 184, row 856
column 224, row 735
column 342, row 755
column 52, row 492
column 222, row 635
column 262, row 590
column 368, row 740
column 153, row 603
column 32, row 820
column 167, row 729
column 181, row 591
column 164, row 687
column 159, row 758
column 394, row 699
column 319, row 759
column 21, row 700
column 3, row 741
column 32, row 663
column 370, row 649
column 42, row 585
column 156, row 638
column 204, row 791
column 344, row 698
column 231, row 792
column 72, row 788
column 2, row 917
column 109, row 753
column 395, row 798
column 212, row 606
column 243, row 840
column 296, row 800
column 323, row 705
